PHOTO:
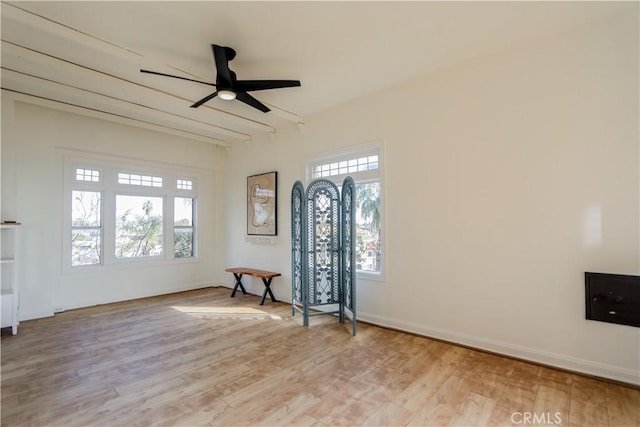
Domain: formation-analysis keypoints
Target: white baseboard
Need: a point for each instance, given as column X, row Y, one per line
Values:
column 31, row 315
column 526, row 353
column 148, row 294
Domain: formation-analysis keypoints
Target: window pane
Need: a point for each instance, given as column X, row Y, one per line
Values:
column 183, row 211
column 183, row 242
column 140, row 180
column 348, row 166
column 85, row 247
column 368, row 220
column 87, row 175
column 183, row 218
column 85, row 209
column 138, row 226
column 184, row 184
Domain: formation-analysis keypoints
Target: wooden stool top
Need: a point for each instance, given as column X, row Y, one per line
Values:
column 253, row 272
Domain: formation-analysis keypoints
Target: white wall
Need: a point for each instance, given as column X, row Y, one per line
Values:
column 34, row 142
column 507, row 177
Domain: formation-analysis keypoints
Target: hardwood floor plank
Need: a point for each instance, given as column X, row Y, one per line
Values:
column 203, row 409
column 513, row 402
column 588, row 403
column 553, row 397
column 342, row 410
column 475, row 410
column 200, row 358
column 437, row 369
column 287, row 410
column 441, row 406
column 390, row 414
column 623, row 405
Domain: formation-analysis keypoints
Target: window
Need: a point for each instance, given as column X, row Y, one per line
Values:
column 142, row 180
column 368, row 223
column 184, row 184
column 87, row 175
column 183, row 230
column 119, row 216
column 363, row 164
column 86, row 228
column 345, row 167
column 138, row 226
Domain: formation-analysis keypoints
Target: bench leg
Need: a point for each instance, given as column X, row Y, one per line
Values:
column 267, row 289
column 238, row 277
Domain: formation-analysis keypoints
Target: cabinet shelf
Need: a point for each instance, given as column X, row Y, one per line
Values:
column 9, row 268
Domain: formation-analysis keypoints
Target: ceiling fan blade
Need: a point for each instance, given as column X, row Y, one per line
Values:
column 176, row 77
column 205, row 99
column 251, row 85
column 222, row 55
column 250, row 100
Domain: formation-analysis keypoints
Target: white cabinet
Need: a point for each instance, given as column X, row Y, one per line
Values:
column 8, row 268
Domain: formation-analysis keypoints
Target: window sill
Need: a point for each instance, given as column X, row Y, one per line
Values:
column 370, row 277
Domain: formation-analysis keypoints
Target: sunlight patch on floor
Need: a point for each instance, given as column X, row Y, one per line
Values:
column 225, row 312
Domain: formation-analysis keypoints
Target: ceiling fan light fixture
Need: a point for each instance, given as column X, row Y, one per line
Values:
column 227, row 95
column 230, row 87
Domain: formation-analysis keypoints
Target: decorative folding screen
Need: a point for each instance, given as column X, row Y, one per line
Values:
column 322, row 249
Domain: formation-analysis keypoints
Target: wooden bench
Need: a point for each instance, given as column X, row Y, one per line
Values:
column 266, row 277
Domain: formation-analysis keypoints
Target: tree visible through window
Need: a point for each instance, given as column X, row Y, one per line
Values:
column 138, row 226
column 86, row 228
column 183, row 227
column 368, row 221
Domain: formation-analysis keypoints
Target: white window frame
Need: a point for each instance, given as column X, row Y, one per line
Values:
column 88, row 186
column 360, row 150
column 109, row 187
column 192, row 227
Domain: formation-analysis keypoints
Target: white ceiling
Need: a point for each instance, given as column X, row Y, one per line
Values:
column 86, row 56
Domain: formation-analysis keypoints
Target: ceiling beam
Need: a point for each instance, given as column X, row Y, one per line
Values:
column 30, row 62
column 37, row 86
column 103, row 115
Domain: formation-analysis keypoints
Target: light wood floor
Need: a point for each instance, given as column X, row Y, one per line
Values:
column 202, row 358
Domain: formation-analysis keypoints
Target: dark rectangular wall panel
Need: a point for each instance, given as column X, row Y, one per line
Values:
column 613, row 298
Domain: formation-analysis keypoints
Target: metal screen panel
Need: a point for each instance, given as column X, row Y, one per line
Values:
column 323, row 243
column 348, row 268
column 297, row 243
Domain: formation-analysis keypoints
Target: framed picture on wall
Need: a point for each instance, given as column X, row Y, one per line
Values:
column 262, row 204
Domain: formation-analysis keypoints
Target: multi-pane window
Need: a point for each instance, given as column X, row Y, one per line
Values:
column 184, row 184
column 347, row 166
column 87, row 175
column 183, row 227
column 86, row 228
column 119, row 216
column 141, row 180
column 364, row 167
column 138, row 226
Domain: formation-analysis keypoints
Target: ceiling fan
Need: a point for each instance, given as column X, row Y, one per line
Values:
column 227, row 86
